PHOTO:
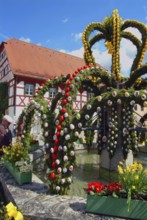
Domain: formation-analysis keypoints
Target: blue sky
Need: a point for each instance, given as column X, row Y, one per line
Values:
column 58, row 24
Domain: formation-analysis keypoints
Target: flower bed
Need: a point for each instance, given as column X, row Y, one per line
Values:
column 20, row 174
column 126, row 199
column 117, row 207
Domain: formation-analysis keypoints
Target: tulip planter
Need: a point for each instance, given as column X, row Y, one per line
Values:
column 19, row 176
column 116, row 207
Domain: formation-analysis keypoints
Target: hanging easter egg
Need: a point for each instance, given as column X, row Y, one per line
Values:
column 60, row 148
column 60, row 107
column 54, row 164
column 77, row 78
column 59, row 170
column 67, row 137
column 47, row 145
column 89, row 107
column 56, row 111
column 119, row 101
column 61, row 118
column 72, row 127
column 68, row 83
column 65, row 158
column 114, row 93
column 136, row 93
column 64, row 170
column 57, row 188
column 59, row 127
column 69, row 180
column 76, row 133
column 58, row 133
column 65, row 114
column 66, row 94
column 46, row 134
column 54, row 156
column 143, row 97
column 61, row 132
column 98, row 109
column 54, row 137
column 132, row 102
column 62, row 181
column 45, row 124
column 65, row 130
column 55, row 148
column 52, row 150
column 69, row 98
column 43, row 116
column 64, row 148
column 56, row 141
column 145, row 104
column 67, row 89
column 78, row 116
column 104, row 138
column 57, row 162
column 52, row 176
column 63, row 110
column 70, row 168
column 99, row 98
column 56, row 122
column 109, row 102
column 64, row 101
column 127, row 94
column 72, row 153
column 87, row 117
column 80, row 125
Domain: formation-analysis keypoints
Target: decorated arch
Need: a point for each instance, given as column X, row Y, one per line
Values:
column 113, row 102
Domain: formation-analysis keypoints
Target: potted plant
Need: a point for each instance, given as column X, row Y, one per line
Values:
column 125, row 199
column 16, row 161
column 34, row 144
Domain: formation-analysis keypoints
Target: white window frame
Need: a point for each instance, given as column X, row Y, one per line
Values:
column 29, row 89
column 52, row 92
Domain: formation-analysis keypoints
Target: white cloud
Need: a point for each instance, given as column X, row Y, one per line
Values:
column 77, row 36
column 77, row 53
column 28, row 40
column 65, row 20
column 127, row 53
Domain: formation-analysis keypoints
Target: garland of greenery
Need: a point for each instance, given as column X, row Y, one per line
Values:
column 62, row 125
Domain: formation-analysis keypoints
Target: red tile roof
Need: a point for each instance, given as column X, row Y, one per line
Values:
column 34, row 61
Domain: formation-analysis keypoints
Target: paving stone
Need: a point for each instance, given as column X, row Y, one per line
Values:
column 35, row 203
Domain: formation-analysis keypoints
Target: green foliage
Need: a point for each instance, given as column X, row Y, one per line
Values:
column 15, row 152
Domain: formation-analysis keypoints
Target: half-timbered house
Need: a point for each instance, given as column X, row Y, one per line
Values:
column 25, row 66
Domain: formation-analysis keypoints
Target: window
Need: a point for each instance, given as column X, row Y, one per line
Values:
column 29, row 89
column 52, row 92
